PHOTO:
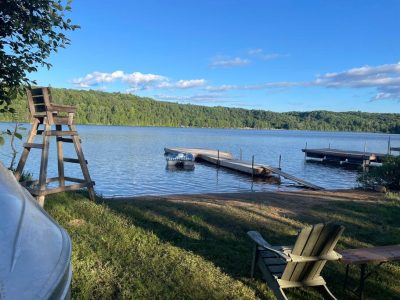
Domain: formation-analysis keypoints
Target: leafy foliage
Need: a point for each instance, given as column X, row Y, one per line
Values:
column 96, row 107
column 387, row 175
column 29, row 32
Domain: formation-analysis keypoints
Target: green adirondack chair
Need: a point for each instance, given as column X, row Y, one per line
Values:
column 300, row 265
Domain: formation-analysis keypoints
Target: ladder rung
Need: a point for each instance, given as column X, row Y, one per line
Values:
column 73, row 160
column 66, row 188
column 61, row 133
column 72, row 179
column 64, row 140
column 33, row 145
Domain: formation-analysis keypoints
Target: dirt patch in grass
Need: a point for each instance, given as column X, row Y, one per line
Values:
column 77, row 222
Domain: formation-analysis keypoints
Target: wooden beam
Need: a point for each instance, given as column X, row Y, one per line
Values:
column 33, row 145
column 73, row 160
column 60, row 155
column 73, row 187
column 25, row 152
column 61, row 133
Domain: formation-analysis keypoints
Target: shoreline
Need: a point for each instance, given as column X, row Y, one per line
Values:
column 219, row 128
column 340, row 194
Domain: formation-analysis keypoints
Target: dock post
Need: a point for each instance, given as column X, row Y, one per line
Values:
column 240, row 153
column 305, row 152
column 280, row 158
column 329, row 147
column 218, row 160
column 389, row 147
column 252, row 167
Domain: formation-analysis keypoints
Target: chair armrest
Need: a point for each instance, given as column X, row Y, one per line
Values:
column 257, row 238
column 329, row 256
column 62, row 108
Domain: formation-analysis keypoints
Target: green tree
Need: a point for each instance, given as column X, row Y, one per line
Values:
column 29, row 32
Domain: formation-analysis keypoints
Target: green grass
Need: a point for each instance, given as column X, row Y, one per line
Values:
column 196, row 247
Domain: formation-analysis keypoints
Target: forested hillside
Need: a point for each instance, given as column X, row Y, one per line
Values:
column 96, row 107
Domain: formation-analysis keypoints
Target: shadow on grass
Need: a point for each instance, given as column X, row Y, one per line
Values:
column 215, row 226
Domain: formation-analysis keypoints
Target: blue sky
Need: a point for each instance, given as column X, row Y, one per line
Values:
column 273, row 55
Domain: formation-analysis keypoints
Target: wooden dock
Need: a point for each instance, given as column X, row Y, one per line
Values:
column 196, row 152
column 344, row 156
column 226, row 160
column 397, row 149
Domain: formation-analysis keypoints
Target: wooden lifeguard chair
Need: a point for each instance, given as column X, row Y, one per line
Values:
column 49, row 114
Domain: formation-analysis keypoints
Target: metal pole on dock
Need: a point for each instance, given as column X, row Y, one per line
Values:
column 252, row 167
column 280, row 158
column 329, row 146
column 389, row 147
column 218, row 159
column 305, row 152
column 240, row 153
column 364, row 160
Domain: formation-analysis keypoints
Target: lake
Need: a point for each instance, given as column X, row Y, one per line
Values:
column 128, row 161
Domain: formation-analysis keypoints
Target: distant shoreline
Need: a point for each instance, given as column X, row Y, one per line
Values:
column 220, row 128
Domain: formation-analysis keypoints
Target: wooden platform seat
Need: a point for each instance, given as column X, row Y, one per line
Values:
column 300, row 265
column 47, row 114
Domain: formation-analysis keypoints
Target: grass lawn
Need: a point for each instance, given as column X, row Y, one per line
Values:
column 195, row 247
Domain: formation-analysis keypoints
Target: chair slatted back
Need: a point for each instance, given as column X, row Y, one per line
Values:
column 316, row 240
column 39, row 100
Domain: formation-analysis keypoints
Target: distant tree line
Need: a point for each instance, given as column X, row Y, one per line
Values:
column 96, row 107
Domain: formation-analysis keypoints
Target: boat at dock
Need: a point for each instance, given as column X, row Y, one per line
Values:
column 181, row 159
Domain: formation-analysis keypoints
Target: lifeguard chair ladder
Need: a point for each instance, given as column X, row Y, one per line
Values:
column 49, row 114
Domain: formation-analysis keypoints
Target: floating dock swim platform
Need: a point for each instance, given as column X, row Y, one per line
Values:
column 344, row 156
column 197, row 152
column 226, row 160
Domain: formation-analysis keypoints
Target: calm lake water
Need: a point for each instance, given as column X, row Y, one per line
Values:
column 130, row 160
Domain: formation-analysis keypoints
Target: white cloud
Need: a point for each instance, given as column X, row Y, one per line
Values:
column 136, row 81
column 260, row 54
column 96, row 78
column 385, row 79
column 186, row 84
column 140, row 81
column 183, row 84
column 197, row 98
column 228, row 62
column 261, row 86
column 255, row 51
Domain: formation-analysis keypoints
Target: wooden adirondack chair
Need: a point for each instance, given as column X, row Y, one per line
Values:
column 300, row 266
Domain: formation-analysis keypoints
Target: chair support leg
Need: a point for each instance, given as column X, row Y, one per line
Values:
column 326, row 293
column 280, row 294
column 60, row 156
column 82, row 162
column 43, row 163
column 254, row 261
column 25, row 152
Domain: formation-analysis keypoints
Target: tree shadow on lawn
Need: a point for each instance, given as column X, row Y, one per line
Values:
column 214, row 226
